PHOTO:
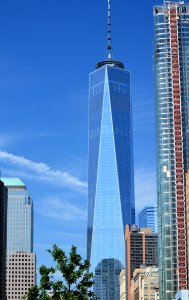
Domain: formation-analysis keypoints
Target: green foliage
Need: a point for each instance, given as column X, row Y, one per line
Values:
column 76, row 281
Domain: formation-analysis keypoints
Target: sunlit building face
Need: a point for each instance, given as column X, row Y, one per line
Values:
column 110, row 175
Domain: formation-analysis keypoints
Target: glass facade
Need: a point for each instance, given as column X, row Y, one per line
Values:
column 19, row 217
column 172, row 116
column 107, row 279
column 110, row 175
column 148, row 218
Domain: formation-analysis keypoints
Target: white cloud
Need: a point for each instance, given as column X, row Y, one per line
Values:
column 42, row 171
column 145, row 187
column 57, row 209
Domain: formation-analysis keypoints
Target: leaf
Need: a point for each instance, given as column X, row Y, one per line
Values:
column 76, row 281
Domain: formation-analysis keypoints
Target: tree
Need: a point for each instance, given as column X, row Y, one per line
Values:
column 76, row 282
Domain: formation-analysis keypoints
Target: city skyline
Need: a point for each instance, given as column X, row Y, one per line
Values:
column 20, row 153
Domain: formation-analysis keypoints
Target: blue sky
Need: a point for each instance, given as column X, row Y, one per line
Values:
column 47, row 49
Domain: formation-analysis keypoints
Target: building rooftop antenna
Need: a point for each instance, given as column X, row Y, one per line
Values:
column 109, row 47
column 109, row 61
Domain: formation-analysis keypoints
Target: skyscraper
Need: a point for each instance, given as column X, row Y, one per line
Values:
column 20, row 261
column 147, row 218
column 172, row 110
column 3, row 239
column 110, row 173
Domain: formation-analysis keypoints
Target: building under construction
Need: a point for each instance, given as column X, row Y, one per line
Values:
column 171, row 64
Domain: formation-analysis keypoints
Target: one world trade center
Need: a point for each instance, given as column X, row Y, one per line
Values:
column 110, row 175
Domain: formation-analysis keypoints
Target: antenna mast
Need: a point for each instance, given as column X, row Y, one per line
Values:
column 110, row 60
column 109, row 47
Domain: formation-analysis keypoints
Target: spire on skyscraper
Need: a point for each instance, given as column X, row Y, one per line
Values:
column 109, row 47
column 109, row 60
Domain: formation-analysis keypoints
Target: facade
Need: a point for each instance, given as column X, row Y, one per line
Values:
column 107, row 279
column 122, row 280
column 187, row 216
column 20, row 257
column 3, row 239
column 172, row 124
column 141, row 247
column 145, row 284
column 21, row 268
column 182, row 295
column 110, row 174
column 148, row 218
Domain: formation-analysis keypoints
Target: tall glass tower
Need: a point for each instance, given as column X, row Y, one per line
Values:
column 172, row 122
column 110, row 174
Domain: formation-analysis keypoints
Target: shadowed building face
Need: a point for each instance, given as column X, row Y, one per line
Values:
column 3, row 238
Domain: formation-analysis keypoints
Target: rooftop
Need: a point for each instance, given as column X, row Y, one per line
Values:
column 112, row 63
column 12, row 182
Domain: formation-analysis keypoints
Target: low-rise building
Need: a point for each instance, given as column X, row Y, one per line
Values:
column 145, row 284
column 141, row 246
column 122, row 279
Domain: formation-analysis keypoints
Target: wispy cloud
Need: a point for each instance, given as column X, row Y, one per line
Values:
column 5, row 140
column 42, row 171
column 61, row 210
column 67, row 234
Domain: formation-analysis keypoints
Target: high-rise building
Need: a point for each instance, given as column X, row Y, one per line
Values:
column 20, row 261
column 147, row 218
column 141, row 246
column 107, row 275
column 145, row 284
column 172, row 124
column 110, row 174
column 3, row 239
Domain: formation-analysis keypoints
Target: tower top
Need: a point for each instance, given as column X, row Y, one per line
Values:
column 110, row 60
column 109, row 46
